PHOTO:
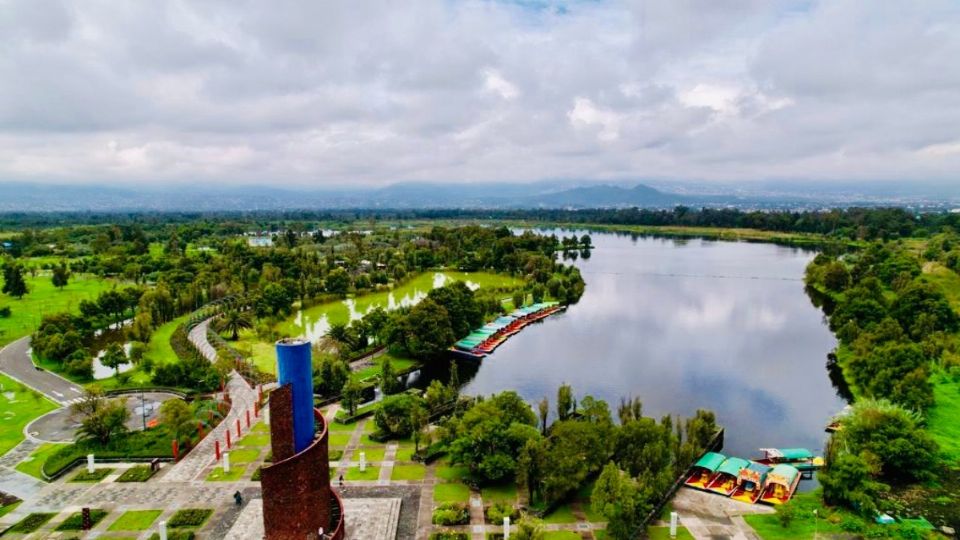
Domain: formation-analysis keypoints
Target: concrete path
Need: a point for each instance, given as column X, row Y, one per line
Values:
column 707, row 516
column 15, row 361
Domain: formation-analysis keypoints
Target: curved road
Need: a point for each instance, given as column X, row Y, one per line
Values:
column 16, row 362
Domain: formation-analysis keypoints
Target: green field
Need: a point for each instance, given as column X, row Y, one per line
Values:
column 314, row 321
column 158, row 349
column 20, row 406
column 135, row 520
column 942, row 418
column 34, row 462
column 44, row 299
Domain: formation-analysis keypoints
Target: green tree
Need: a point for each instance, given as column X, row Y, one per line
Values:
column 177, row 417
column 835, row 276
column 338, row 282
column 621, row 501
column 350, row 395
column 543, row 410
column 425, row 332
column 113, row 357
column 462, row 309
column 565, row 401
column 893, row 436
column 233, row 321
column 389, row 384
column 107, row 423
column 61, row 276
column 13, row 282
column 398, row 416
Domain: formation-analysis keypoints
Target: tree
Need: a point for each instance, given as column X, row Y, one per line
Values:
column 113, row 357
column 462, row 309
column 329, row 374
column 846, row 481
column 891, row 435
column 519, row 298
column 61, row 275
column 425, row 332
column 177, row 418
column 565, row 403
column 350, row 395
column 233, row 321
column 398, row 416
column 389, row 384
column 338, row 282
column 543, row 410
column 13, row 282
column 91, row 402
column 621, row 501
column 835, row 276
column 107, row 423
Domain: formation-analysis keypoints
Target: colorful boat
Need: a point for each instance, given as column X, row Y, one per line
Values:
column 486, row 339
column 704, row 469
column 724, row 481
column 801, row 458
column 781, row 483
column 750, row 482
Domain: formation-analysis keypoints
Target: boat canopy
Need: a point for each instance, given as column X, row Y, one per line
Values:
column 754, row 472
column 733, row 466
column 791, row 454
column 711, row 461
column 783, row 474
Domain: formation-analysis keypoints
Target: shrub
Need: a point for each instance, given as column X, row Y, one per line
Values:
column 451, row 514
column 31, row 523
column 497, row 511
column 786, row 513
column 5, row 312
column 136, row 474
column 449, row 535
column 75, row 521
column 91, row 477
column 176, row 535
column 189, row 518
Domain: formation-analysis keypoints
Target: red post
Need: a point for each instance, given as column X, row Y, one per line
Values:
column 259, row 393
column 216, row 449
column 256, row 410
column 176, row 449
column 248, row 418
column 199, row 431
column 228, row 439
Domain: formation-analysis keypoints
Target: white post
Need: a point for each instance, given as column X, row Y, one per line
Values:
column 506, row 527
column 163, row 530
column 226, row 462
column 673, row 524
column 363, row 461
column 266, row 416
column 90, row 463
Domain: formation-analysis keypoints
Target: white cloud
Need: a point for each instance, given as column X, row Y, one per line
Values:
column 307, row 93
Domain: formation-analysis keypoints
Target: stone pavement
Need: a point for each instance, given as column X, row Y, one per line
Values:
column 708, row 516
column 13, row 481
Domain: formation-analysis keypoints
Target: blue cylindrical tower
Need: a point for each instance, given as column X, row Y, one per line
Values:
column 294, row 367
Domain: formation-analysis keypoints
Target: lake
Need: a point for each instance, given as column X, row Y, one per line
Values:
column 683, row 324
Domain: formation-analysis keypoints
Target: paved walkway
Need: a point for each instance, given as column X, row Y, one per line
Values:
column 15, row 361
column 707, row 516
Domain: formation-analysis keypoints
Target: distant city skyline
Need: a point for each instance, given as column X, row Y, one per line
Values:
column 316, row 95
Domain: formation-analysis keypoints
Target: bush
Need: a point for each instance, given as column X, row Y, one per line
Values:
column 786, row 513
column 449, row 535
column 141, row 444
column 497, row 511
column 92, row 477
column 176, row 535
column 75, row 521
column 190, row 518
column 5, row 312
column 136, row 474
column 31, row 523
column 451, row 514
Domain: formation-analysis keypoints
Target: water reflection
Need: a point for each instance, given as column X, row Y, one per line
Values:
column 683, row 325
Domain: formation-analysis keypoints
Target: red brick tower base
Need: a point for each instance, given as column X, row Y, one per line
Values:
column 297, row 498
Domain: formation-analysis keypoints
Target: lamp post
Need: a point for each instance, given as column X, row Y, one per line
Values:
column 143, row 410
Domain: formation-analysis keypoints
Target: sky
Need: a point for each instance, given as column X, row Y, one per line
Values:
column 373, row 92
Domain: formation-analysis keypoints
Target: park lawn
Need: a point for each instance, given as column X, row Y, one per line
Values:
column 562, row 514
column 372, row 473
column 803, row 525
column 262, row 354
column 451, row 492
column 342, row 428
column 506, row 493
column 408, row 472
column 405, row 452
column 663, row 533
column 135, row 520
column 158, row 348
column 4, row 510
column 19, row 405
column 398, row 364
column 243, row 456
column 236, row 473
column 338, row 439
column 44, row 299
column 314, row 321
column 560, row 535
column 253, row 439
column 942, row 418
column 372, row 453
column 451, row 474
column 34, row 462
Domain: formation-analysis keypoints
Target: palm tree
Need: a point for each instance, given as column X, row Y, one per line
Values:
column 234, row 321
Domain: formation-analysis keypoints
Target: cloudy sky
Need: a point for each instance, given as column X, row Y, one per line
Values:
column 318, row 93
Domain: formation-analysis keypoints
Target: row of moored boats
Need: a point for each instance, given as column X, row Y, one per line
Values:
column 772, row 479
column 486, row 339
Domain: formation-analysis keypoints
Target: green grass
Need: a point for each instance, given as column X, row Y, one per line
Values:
column 451, row 474
column 375, row 453
column 316, row 319
column 262, row 354
column 562, row 514
column 236, row 473
column 942, row 418
column 371, row 474
column 803, row 526
column 405, row 452
column 338, row 439
column 243, row 456
column 34, row 462
column 341, row 428
column 75, row 521
column 560, row 535
column 158, row 348
column 190, row 518
column 397, row 363
column 140, row 473
column 31, row 523
column 4, row 510
column 408, row 472
column 506, row 493
column 663, row 533
column 451, row 492
column 91, row 477
column 254, row 440
column 135, row 520
column 19, row 406
column 44, row 299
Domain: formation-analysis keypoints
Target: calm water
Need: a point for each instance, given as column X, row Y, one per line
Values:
column 684, row 325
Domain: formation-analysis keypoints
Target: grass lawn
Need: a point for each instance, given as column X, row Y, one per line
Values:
column 236, row 473
column 942, row 418
column 341, row 428
column 91, row 477
column 75, row 521
column 338, row 439
column 397, row 363
column 803, row 526
column 262, row 354
column 34, row 462
column 500, row 493
column 31, row 523
column 243, row 456
column 19, row 406
column 560, row 535
column 408, row 472
column 158, row 349
column 663, row 533
column 450, row 473
column 353, row 473
column 563, row 514
column 405, row 452
column 44, row 299
column 314, row 321
column 4, row 510
column 451, row 492
column 255, row 440
column 375, row 453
